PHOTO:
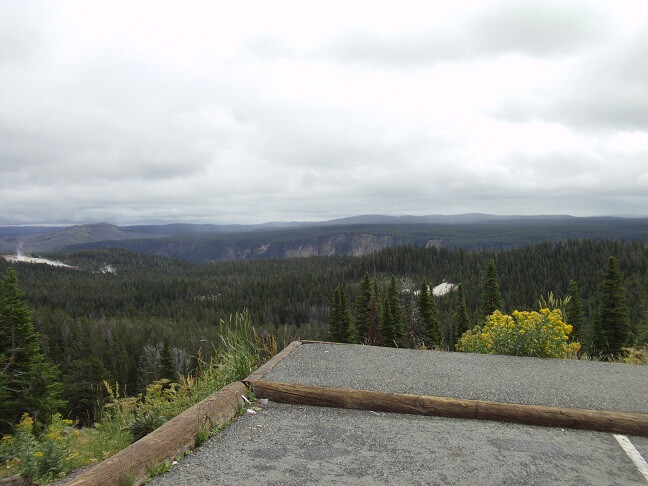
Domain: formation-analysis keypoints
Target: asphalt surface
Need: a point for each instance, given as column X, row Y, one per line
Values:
column 509, row 379
column 296, row 445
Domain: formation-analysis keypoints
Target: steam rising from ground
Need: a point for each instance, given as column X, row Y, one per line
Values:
column 20, row 257
column 25, row 259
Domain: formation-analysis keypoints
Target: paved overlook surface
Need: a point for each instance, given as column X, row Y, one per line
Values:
column 509, row 379
column 280, row 444
column 300, row 445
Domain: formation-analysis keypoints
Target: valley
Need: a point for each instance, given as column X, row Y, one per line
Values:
column 356, row 236
column 114, row 321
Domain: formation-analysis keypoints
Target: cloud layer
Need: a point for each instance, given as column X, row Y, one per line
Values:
column 210, row 112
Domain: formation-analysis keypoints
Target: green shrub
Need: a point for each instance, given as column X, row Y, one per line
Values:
column 145, row 423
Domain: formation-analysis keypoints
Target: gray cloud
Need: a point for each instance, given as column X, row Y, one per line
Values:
column 255, row 126
column 268, row 47
column 538, row 29
column 541, row 29
column 606, row 91
column 21, row 35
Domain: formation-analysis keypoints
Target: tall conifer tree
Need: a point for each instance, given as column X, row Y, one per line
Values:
column 612, row 327
column 642, row 325
column 373, row 321
column 361, row 310
column 396, row 309
column 387, row 332
column 334, row 317
column 4, row 394
column 491, row 298
column 346, row 329
column 575, row 315
column 428, row 315
column 460, row 318
column 340, row 317
column 30, row 381
column 167, row 364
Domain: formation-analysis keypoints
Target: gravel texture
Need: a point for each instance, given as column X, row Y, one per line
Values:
column 510, row 379
column 296, row 445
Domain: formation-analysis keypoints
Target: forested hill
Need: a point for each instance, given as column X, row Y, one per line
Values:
column 98, row 326
column 350, row 236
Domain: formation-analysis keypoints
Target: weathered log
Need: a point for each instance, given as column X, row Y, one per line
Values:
column 177, row 436
column 606, row 421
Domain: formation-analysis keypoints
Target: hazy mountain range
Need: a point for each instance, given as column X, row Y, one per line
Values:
column 357, row 235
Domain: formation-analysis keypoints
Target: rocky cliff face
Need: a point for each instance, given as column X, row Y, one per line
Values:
column 342, row 244
column 356, row 244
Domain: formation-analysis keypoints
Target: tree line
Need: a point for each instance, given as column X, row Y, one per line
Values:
column 123, row 327
column 402, row 318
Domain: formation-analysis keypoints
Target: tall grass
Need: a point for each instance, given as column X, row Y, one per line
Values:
column 243, row 348
column 62, row 448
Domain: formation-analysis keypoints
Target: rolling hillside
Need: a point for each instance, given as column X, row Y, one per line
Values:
column 360, row 235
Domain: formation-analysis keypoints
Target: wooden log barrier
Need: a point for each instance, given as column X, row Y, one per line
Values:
column 605, row 421
column 177, row 436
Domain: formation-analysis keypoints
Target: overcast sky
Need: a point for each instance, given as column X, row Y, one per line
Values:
column 246, row 112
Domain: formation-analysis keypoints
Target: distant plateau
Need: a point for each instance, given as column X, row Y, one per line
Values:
column 357, row 236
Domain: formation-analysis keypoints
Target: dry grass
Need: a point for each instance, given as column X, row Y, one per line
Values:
column 638, row 356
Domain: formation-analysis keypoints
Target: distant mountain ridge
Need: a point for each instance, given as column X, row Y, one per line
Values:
column 56, row 239
column 356, row 235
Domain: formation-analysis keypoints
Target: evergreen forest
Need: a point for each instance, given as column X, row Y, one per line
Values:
column 150, row 314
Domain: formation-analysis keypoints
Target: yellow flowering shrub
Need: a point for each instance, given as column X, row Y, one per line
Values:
column 542, row 334
column 42, row 457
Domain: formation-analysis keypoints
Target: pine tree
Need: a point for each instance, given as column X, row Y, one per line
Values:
column 642, row 325
column 376, row 290
column 83, row 389
column 167, row 364
column 30, row 381
column 4, row 394
column 413, row 337
column 575, row 316
column 612, row 327
column 428, row 315
column 346, row 329
column 340, row 317
column 373, row 321
column 396, row 309
column 361, row 310
column 460, row 319
column 334, row 317
column 387, row 332
column 491, row 299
